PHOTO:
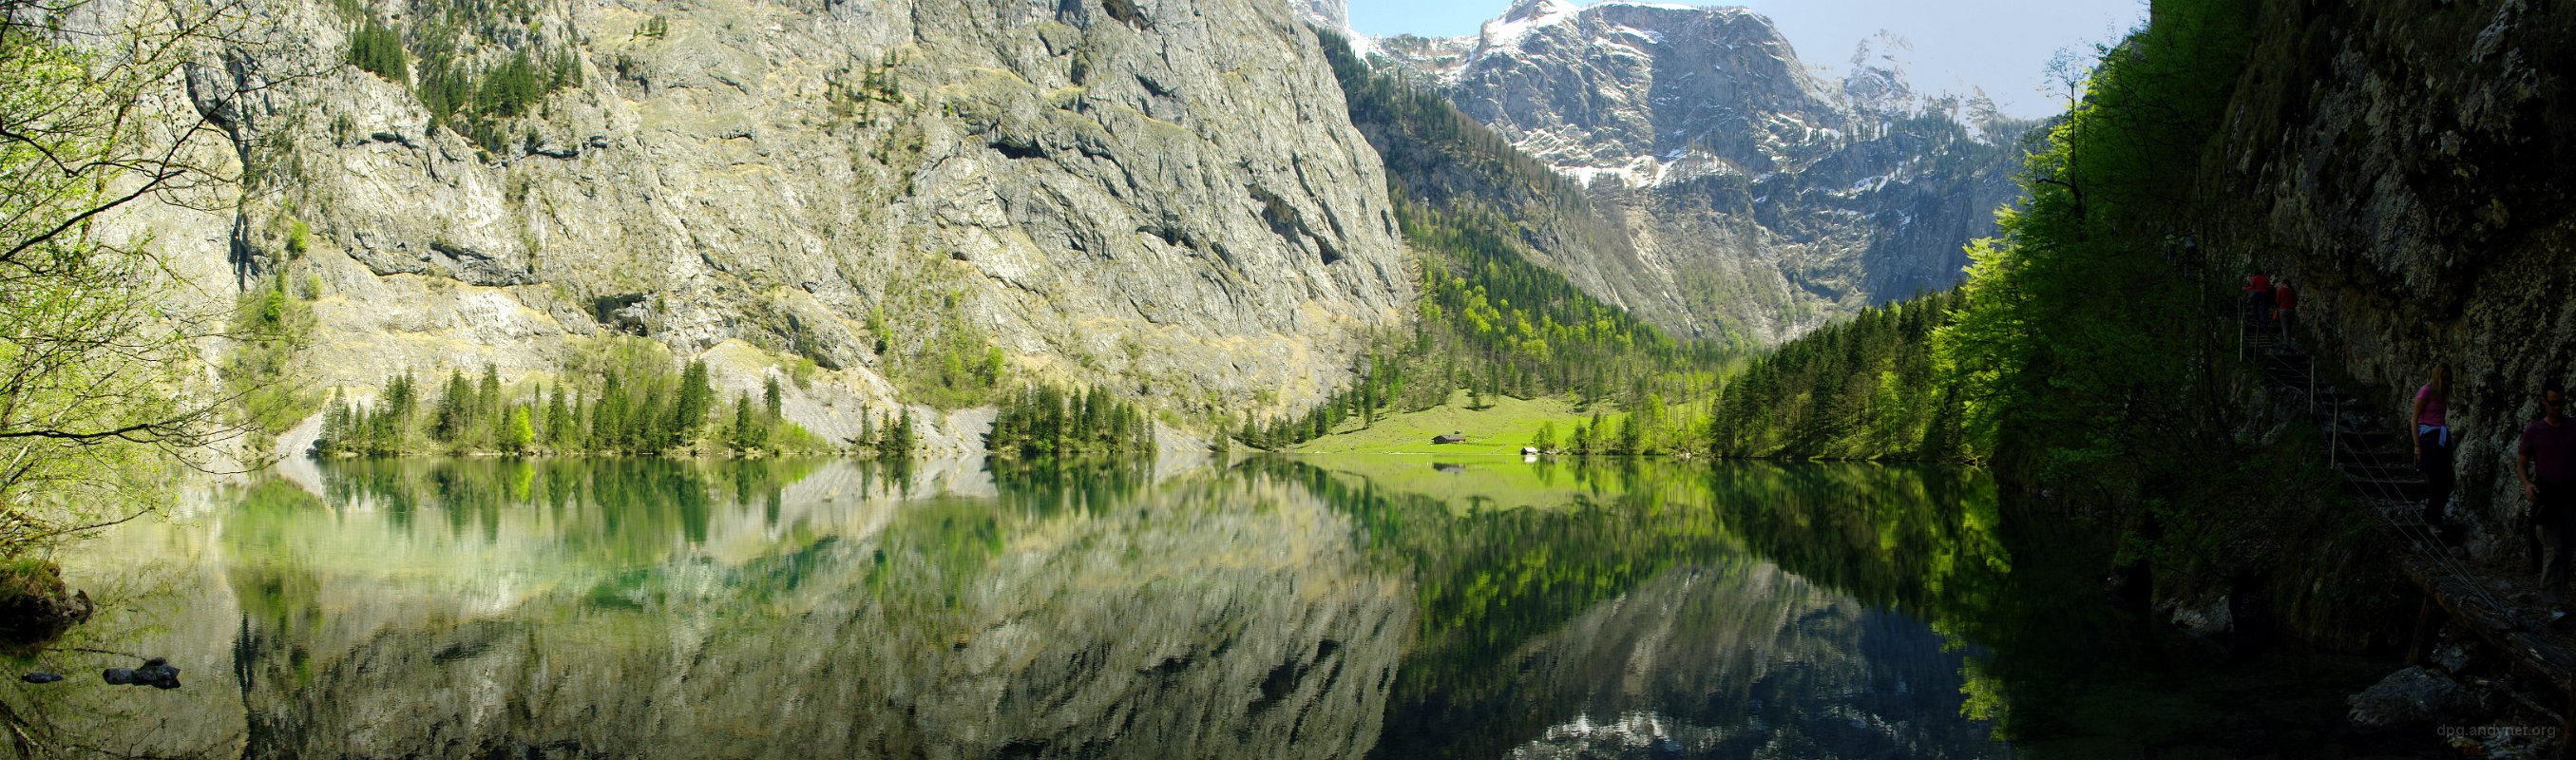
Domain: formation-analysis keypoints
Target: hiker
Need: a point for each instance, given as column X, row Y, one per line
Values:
column 2259, row 291
column 2546, row 463
column 2434, row 446
column 2284, row 299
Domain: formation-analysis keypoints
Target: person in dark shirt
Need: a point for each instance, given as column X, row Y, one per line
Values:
column 2546, row 463
column 2285, row 301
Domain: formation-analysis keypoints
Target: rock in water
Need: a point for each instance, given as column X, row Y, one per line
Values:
column 158, row 673
column 2410, row 696
column 40, row 677
column 41, row 607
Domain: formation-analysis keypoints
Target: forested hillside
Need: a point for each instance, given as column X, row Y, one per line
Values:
column 1490, row 319
column 1865, row 388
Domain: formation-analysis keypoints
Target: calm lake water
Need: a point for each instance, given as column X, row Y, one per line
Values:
column 1392, row 607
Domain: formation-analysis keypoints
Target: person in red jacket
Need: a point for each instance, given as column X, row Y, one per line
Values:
column 2258, row 290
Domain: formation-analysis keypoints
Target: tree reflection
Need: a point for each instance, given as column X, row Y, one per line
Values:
column 1536, row 613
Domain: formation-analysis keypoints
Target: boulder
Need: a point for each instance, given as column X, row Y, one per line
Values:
column 2412, row 696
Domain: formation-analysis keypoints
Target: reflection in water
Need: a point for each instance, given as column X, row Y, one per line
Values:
column 1613, row 610
column 1341, row 608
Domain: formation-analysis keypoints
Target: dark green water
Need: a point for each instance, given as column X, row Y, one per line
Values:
column 1326, row 607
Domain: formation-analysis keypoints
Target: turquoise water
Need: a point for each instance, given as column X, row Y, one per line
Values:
column 1322, row 607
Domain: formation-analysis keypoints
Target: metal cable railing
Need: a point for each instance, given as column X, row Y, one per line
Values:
column 2418, row 533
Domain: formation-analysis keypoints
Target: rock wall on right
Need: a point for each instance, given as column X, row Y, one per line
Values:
column 2407, row 164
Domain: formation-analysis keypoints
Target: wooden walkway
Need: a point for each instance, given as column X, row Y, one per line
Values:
column 2378, row 469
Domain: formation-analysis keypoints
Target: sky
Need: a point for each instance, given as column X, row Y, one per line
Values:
column 2003, row 46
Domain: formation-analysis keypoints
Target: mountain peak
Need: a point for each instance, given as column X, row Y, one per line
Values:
column 1524, row 17
column 1526, row 10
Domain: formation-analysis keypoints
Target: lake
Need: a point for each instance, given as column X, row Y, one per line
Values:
column 1395, row 607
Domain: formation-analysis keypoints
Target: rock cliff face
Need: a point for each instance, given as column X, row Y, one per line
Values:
column 1166, row 197
column 2407, row 165
column 1757, row 200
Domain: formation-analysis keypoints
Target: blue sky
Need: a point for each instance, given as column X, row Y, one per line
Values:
column 2003, row 46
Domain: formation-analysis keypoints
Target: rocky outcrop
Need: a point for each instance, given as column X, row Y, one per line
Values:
column 2406, row 165
column 35, row 606
column 2410, row 696
column 1756, row 200
column 1165, row 198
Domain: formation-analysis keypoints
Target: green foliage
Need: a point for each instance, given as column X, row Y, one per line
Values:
column 269, row 328
column 480, row 67
column 1868, row 388
column 638, row 406
column 521, row 431
column 894, row 436
column 1047, row 421
column 378, row 50
column 2086, row 345
column 759, row 425
column 954, row 366
column 100, row 335
column 1496, row 324
column 2091, row 348
column 750, row 427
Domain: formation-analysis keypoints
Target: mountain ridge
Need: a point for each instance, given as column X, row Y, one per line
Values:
column 1757, row 200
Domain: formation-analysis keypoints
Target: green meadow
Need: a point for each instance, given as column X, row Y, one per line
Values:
column 1499, row 429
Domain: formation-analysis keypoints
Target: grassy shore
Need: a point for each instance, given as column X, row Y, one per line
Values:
column 1499, row 429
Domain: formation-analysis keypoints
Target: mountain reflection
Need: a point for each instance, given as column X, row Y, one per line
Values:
column 1616, row 611
column 1327, row 608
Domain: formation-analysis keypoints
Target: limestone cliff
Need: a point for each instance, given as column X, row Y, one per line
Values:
column 2407, row 166
column 1166, row 197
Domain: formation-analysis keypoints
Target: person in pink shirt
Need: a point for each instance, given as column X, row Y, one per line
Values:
column 2545, row 460
column 2434, row 445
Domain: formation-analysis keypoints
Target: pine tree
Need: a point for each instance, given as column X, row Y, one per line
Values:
column 608, row 420
column 697, row 397
column 335, row 420
column 899, row 437
column 488, row 406
column 454, row 406
column 750, row 428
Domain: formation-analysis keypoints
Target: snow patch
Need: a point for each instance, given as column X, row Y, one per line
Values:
column 1524, row 19
column 1651, row 37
